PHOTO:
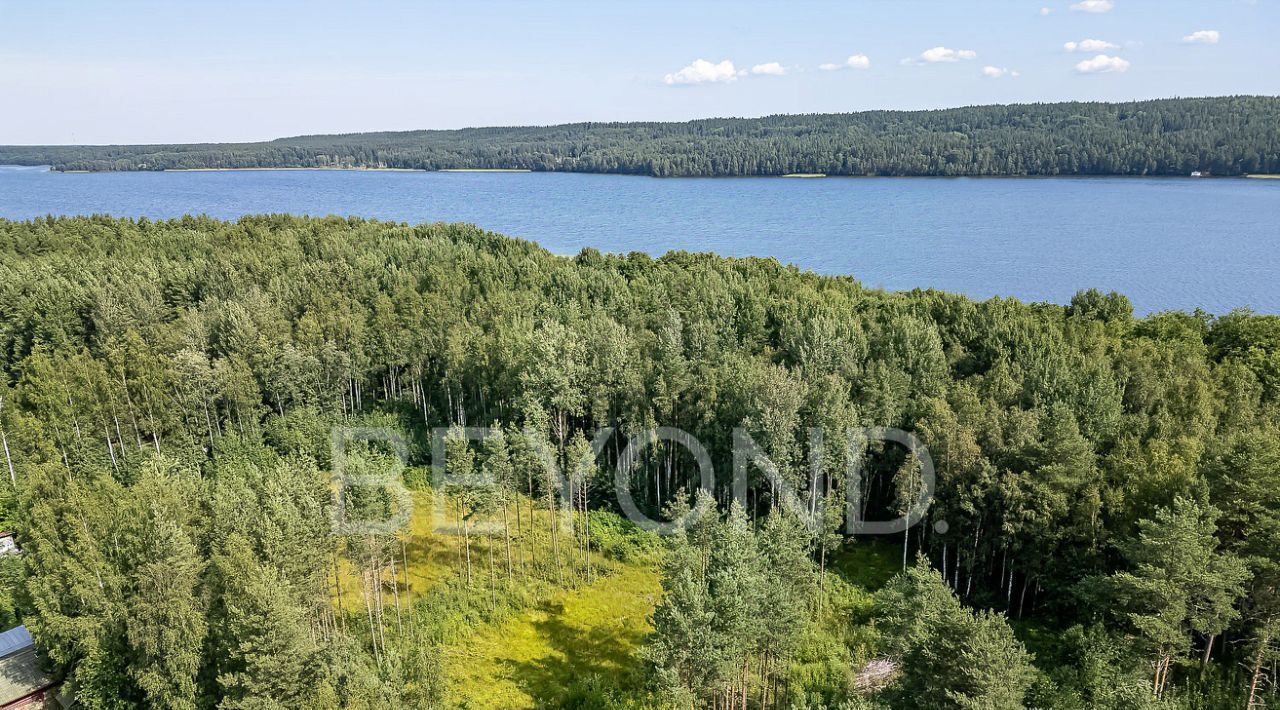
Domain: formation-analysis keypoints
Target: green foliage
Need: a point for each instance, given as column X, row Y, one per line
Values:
column 1179, row 582
column 952, row 657
column 1093, row 668
column 620, row 539
column 1224, row 136
column 733, row 598
column 169, row 390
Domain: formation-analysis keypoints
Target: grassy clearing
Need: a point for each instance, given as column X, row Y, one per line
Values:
column 1264, row 177
column 542, row 643
column 432, row 558
column 534, row 657
column 540, row 638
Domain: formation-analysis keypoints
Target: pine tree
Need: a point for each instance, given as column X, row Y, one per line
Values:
column 1179, row 582
column 951, row 656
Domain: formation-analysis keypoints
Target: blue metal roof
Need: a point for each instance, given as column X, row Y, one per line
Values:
column 14, row 640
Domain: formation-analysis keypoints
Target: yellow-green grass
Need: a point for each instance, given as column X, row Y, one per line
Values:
column 537, row 653
column 1264, row 177
column 431, row 558
column 533, row 657
column 434, row 557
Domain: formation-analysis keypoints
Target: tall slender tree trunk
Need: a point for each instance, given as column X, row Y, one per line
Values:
column 74, row 419
column 119, row 435
column 506, row 534
column 553, row 525
column 457, row 523
column 13, row 477
column 395, row 591
column 493, row 577
column 133, row 414
column 533, row 539
column 404, row 557
column 906, row 537
column 110, row 448
column 375, row 580
column 520, row 534
column 368, row 607
column 586, row 526
column 1256, row 675
column 466, row 537
column 1008, row 600
column 337, row 586
column 1208, row 648
column 1162, row 675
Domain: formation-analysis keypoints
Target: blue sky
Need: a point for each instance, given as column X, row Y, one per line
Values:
column 134, row 71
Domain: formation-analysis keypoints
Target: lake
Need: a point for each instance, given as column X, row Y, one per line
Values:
column 1166, row 243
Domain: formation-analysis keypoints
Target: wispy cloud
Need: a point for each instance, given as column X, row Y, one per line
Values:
column 998, row 72
column 1045, row 11
column 856, row 61
column 769, row 69
column 936, row 55
column 703, row 72
column 1102, row 64
column 1093, row 6
column 1202, row 37
column 1090, row 45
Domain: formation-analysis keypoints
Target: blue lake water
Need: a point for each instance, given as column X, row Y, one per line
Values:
column 1166, row 243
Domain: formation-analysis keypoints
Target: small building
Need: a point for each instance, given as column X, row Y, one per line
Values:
column 23, row 681
column 8, row 545
column 1199, row 173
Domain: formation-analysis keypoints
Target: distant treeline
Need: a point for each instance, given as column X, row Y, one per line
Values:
column 1225, row 136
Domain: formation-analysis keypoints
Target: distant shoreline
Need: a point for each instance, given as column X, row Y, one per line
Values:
column 229, row 170
column 484, row 170
column 791, row 176
column 1224, row 135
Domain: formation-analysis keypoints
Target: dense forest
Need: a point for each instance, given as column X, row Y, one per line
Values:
column 1105, row 531
column 1223, row 136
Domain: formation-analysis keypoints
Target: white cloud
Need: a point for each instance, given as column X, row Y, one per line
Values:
column 941, row 54
column 1093, row 6
column 703, row 72
column 1202, row 37
column 1045, row 11
column 1090, row 45
column 1102, row 64
column 997, row 72
column 856, row 61
column 769, row 68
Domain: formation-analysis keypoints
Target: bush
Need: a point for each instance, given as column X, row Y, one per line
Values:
column 620, row 539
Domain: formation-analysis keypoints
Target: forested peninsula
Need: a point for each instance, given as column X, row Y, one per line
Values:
column 1104, row 532
column 1231, row 135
